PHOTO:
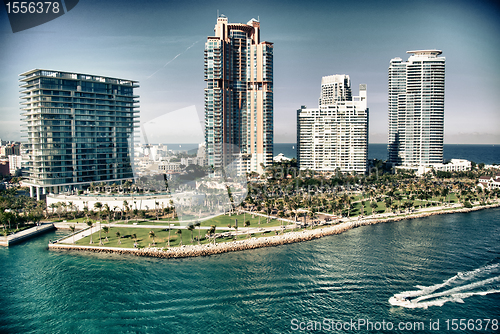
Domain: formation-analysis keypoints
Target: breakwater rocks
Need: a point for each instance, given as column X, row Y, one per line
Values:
column 252, row 243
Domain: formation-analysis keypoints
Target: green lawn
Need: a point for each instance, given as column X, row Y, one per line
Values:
column 161, row 237
column 143, row 239
column 224, row 220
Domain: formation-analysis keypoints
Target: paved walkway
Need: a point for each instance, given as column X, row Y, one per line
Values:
column 79, row 235
column 24, row 234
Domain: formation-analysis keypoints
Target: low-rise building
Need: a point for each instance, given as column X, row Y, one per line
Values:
column 14, row 163
column 454, row 165
column 489, row 182
column 4, row 167
column 280, row 158
column 10, row 149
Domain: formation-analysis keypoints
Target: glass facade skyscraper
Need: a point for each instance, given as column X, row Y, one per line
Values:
column 238, row 97
column 79, row 129
column 416, row 109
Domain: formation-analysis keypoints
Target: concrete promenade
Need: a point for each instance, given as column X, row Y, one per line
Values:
column 26, row 234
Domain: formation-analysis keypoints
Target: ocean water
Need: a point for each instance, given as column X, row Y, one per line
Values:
column 450, row 260
column 488, row 154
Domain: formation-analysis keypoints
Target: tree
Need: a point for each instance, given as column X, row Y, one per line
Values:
column 53, row 207
column 72, row 228
column 72, row 208
column 152, row 235
column 157, row 207
column 98, row 206
column 106, row 230
column 179, row 232
column 198, row 224
column 107, row 212
column 191, row 228
column 118, row 235
column 211, row 231
column 374, row 207
column 90, row 223
column 247, row 224
column 168, row 241
column 125, row 209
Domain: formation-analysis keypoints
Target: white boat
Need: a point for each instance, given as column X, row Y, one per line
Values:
column 401, row 301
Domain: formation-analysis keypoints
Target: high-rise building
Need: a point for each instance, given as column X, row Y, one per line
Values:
column 416, row 109
column 334, row 136
column 238, row 96
column 79, row 129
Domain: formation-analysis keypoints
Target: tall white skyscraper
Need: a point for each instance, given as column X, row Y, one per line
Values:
column 335, row 135
column 416, row 109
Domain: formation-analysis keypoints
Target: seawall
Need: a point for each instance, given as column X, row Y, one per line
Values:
column 252, row 243
column 25, row 234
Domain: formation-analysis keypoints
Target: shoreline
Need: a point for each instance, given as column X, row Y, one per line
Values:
column 253, row 243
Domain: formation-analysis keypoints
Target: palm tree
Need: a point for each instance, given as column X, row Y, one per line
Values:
column 212, row 231
column 72, row 208
column 72, row 228
column 98, row 206
column 152, row 235
column 125, row 208
column 281, row 215
column 157, row 206
column 179, row 232
column 247, row 225
column 107, row 211
column 198, row 224
column 100, row 240
column 119, row 237
column 90, row 223
column 53, row 206
column 173, row 209
column 191, row 228
column 168, row 241
column 106, row 230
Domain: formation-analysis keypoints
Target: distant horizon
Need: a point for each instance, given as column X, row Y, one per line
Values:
column 164, row 51
column 194, row 143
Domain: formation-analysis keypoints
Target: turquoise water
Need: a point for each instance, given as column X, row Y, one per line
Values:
column 343, row 277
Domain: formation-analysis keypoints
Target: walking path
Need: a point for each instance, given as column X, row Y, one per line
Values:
column 339, row 226
column 25, row 234
column 252, row 243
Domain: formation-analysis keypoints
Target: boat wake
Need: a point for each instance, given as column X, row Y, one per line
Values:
column 481, row 281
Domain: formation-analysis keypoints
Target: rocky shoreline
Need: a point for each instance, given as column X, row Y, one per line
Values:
column 287, row 238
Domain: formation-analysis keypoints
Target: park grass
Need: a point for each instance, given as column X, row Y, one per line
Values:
column 223, row 220
column 143, row 239
column 161, row 237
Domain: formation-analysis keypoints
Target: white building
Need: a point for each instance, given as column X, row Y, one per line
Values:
column 280, row 158
column 334, row 136
column 489, row 182
column 14, row 163
column 454, row 165
column 416, row 109
column 167, row 166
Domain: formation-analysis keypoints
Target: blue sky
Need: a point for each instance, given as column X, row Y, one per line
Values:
column 136, row 39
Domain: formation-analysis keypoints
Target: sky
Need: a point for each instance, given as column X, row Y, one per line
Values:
column 160, row 44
